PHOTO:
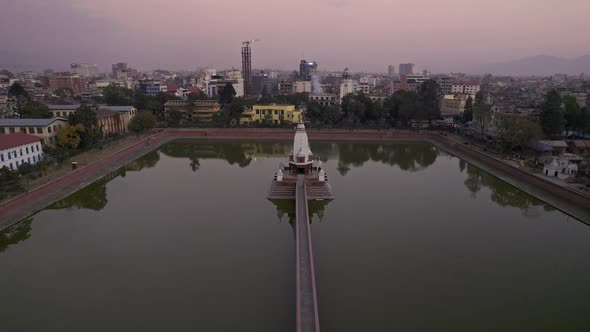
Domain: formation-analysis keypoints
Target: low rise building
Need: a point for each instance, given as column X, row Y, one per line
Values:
column 110, row 122
column 324, row 99
column 302, row 86
column 45, row 129
column 19, row 148
column 453, row 105
column 561, row 168
column 275, row 114
column 286, row 87
column 69, row 81
column 470, row 88
column 579, row 146
column 197, row 111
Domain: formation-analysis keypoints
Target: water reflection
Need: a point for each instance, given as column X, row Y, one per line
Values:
column 94, row 196
column 233, row 152
column 286, row 209
column 411, row 157
column 503, row 193
column 15, row 234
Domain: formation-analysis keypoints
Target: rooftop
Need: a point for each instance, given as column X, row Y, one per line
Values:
column 12, row 140
column 104, row 113
column 28, row 122
column 63, row 107
column 117, row 108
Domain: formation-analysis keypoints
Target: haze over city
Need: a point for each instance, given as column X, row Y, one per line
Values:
column 456, row 35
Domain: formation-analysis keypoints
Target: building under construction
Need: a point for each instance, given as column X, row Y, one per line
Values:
column 247, row 66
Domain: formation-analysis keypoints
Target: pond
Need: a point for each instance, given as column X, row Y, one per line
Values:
column 185, row 239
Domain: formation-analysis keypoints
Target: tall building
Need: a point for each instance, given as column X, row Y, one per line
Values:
column 247, row 66
column 84, row 69
column 307, row 70
column 391, row 70
column 406, row 68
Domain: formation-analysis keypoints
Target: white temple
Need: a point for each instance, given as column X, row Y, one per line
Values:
column 301, row 157
column 301, row 163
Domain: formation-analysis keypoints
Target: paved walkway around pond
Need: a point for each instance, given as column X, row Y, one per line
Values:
column 22, row 206
column 307, row 309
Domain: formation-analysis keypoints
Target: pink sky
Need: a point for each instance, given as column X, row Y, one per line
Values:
column 363, row 35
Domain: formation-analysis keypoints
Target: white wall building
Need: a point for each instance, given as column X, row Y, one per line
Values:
column 19, row 148
column 470, row 88
column 84, row 69
column 302, row 86
column 346, row 86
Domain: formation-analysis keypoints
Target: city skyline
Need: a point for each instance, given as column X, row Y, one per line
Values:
column 364, row 36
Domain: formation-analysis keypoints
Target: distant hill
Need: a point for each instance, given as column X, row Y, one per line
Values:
column 538, row 65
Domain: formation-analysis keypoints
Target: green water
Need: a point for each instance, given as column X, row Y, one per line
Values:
column 184, row 239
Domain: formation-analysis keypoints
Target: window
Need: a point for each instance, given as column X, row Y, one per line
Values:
column 37, row 147
column 31, row 130
column 11, row 129
column 11, row 166
column 39, row 130
column 29, row 160
column 2, row 157
column 49, row 129
column 21, row 152
column 2, row 131
column 27, row 150
column 23, row 130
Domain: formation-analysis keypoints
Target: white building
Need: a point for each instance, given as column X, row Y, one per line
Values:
column 324, row 99
column 84, row 69
column 302, row 86
column 19, row 148
column 560, row 168
column 182, row 93
column 346, row 86
column 469, row 88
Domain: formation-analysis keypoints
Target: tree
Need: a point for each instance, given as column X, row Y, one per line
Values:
column 574, row 119
column 552, row 119
column 468, row 113
column 18, row 91
column 86, row 116
column 17, row 99
column 482, row 116
column 35, row 110
column 518, row 131
column 227, row 94
column 69, row 136
column 143, row 121
column 115, row 95
column 429, row 99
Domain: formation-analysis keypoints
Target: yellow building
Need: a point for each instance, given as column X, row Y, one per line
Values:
column 275, row 114
column 46, row 129
column 197, row 111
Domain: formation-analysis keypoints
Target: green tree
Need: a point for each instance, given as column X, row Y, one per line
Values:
column 86, row 116
column 227, row 94
column 18, row 91
column 143, row 121
column 429, row 100
column 117, row 96
column 517, row 132
column 574, row 118
column 552, row 119
column 468, row 113
column 35, row 110
column 69, row 136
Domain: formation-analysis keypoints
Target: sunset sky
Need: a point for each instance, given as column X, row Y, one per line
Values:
column 362, row 35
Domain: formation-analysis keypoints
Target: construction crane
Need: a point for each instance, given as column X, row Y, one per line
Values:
column 248, row 42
